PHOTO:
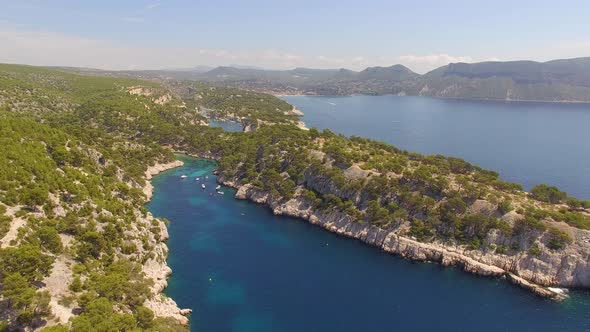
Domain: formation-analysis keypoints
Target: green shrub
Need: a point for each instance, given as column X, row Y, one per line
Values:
column 558, row 239
column 535, row 250
column 99, row 315
column 505, row 206
column 420, row 230
column 376, row 214
column 76, row 284
column 144, row 317
column 129, row 248
column 502, row 250
column 474, row 244
column 545, row 193
column 49, row 239
column 529, row 225
column 26, row 260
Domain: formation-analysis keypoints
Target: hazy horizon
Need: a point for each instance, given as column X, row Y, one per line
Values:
column 205, row 68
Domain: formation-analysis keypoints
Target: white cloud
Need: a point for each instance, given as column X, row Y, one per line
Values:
column 154, row 5
column 55, row 49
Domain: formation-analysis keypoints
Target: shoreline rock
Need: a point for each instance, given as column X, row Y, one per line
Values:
column 301, row 125
column 390, row 242
column 296, row 111
column 148, row 188
column 157, row 268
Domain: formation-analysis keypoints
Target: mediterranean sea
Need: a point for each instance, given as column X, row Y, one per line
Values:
column 526, row 142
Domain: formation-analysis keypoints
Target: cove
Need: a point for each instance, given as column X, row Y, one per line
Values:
column 526, row 142
column 240, row 268
column 226, row 125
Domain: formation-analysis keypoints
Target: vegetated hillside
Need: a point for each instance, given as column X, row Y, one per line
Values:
column 224, row 103
column 558, row 80
column 311, row 81
column 78, row 249
column 74, row 233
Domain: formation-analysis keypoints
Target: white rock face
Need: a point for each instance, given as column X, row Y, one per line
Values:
column 163, row 99
column 156, row 268
column 148, row 189
column 57, row 283
column 482, row 207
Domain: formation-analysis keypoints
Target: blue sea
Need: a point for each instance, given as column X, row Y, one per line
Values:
column 527, row 143
column 242, row 269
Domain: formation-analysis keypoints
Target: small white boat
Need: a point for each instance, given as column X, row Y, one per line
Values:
column 220, row 192
column 197, row 179
column 203, row 186
column 218, row 187
column 184, row 176
column 206, row 176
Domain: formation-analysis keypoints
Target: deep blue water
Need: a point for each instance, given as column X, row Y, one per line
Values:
column 242, row 269
column 528, row 143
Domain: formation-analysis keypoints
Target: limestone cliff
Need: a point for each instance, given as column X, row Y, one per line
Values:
column 156, row 267
column 541, row 273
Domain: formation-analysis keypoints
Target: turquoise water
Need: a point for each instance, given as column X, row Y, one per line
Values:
column 240, row 268
column 227, row 125
column 528, row 143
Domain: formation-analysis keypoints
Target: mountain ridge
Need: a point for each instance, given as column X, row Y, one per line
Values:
column 562, row 80
column 555, row 80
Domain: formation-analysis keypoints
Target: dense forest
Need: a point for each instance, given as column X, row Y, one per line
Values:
column 72, row 170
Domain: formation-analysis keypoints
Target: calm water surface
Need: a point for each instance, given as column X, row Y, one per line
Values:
column 242, row 269
column 528, row 143
column 226, row 125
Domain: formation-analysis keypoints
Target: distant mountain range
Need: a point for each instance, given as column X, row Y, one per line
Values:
column 557, row 80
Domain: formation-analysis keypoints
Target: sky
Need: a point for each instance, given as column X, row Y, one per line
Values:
column 169, row 34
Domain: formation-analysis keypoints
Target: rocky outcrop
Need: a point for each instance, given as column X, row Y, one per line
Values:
column 12, row 233
column 539, row 290
column 295, row 111
column 57, row 283
column 325, row 185
column 148, row 188
column 541, row 274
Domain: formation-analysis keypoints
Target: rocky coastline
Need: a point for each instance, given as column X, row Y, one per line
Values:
column 157, row 269
column 474, row 262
